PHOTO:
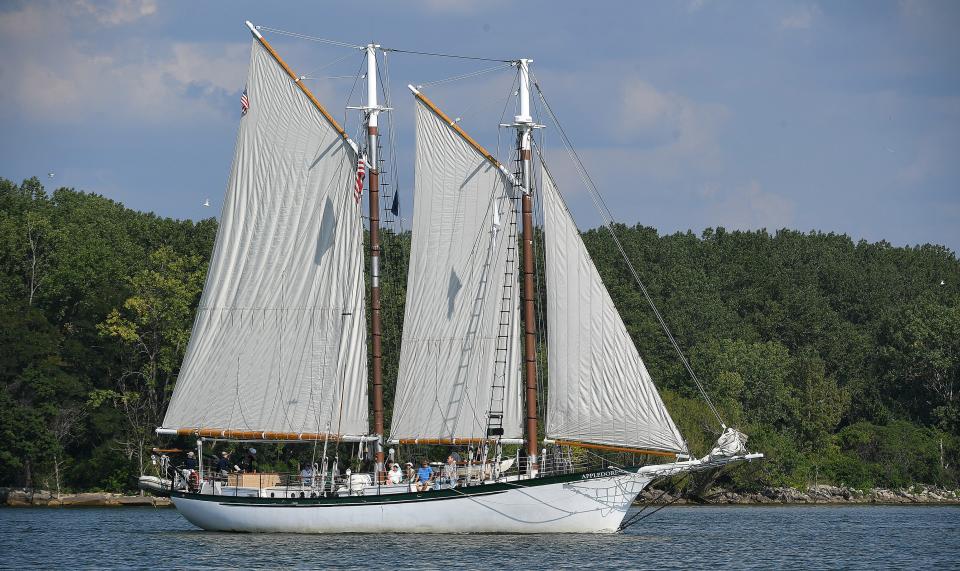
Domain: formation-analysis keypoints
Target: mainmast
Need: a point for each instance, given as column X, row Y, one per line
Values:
column 524, row 126
column 372, row 111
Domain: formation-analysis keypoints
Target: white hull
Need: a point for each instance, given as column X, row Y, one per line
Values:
column 585, row 505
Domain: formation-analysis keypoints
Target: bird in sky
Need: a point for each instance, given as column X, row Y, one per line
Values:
column 50, row 175
column 206, row 203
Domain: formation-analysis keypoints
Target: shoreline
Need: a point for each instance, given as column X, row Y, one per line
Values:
column 813, row 495
column 783, row 496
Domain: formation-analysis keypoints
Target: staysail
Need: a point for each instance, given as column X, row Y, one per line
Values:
column 599, row 389
column 455, row 290
column 278, row 344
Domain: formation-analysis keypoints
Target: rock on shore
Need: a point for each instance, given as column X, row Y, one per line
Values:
column 27, row 498
column 812, row 495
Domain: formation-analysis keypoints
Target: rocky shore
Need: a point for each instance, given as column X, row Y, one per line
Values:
column 44, row 498
column 826, row 495
column 812, row 495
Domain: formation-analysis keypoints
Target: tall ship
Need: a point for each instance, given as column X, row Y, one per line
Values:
column 279, row 349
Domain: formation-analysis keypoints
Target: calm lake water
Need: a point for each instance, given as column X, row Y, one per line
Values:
column 689, row 537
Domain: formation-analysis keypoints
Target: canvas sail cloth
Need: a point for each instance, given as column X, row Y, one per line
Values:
column 458, row 260
column 599, row 389
column 278, row 343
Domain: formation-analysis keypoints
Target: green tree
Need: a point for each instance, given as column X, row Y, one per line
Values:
column 154, row 327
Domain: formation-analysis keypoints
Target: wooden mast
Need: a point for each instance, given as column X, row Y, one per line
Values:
column 524, row 125
column 376, row 331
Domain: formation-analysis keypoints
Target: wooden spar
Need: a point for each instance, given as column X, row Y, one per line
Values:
column 443, row 441
column 453, row 125
column 373, row 198
column 296, row 81
column 232, row 434
column 614, row 448
column 524, row 125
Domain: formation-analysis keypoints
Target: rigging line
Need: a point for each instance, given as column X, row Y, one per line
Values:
column 392, row 139
column 359, row 74
column 465, row 75
column 310, row 38
column 310, row 73
column 455, row 56
column 539, row 273
column 609, row 224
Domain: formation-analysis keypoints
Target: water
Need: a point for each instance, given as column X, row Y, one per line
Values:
column 863, row 537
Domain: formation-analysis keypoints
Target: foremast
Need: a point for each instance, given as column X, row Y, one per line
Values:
column 524, row 125
column 371, row 114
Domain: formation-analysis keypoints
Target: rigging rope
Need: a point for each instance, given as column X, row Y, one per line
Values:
column 435, row 54
column 608, row 222
column 310, row 38
column 465, row 75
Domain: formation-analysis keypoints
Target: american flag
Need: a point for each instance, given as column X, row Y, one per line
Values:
column 244, row 103
column 361, row 172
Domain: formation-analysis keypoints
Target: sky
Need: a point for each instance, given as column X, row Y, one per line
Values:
column 834, row 116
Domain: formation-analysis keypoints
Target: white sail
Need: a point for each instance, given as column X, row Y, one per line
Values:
column 279, row 343
column 599, row 390
column 458, row 263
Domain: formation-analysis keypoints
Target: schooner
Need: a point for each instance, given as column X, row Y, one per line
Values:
column 279, row 353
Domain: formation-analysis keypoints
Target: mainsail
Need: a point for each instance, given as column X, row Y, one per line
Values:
column 599, row 389
column 278, row 344
column 458, row 264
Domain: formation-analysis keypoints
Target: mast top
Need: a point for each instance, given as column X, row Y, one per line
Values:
column 524, row 121
column 253, row 29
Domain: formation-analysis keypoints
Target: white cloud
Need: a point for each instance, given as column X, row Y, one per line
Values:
column 118, row 12
column 677, row 132
column 802, row 18
column 748, row 207
column 61, row 78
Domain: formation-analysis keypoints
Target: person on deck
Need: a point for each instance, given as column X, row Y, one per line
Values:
column 424, row 476
column 411, row 474
column 395, row 476
column 306, row 475
column 223, row 465
column 190, row 470
column 449, row 475
column 250, row 462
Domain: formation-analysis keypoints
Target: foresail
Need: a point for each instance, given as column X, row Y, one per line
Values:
column 599, row 389
column 458, row 263
column 279, row 341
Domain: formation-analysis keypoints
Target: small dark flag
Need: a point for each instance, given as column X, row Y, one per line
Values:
column 244, row 103
column 395, row 205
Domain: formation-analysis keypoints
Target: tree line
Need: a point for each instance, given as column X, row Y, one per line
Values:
column 840, row 359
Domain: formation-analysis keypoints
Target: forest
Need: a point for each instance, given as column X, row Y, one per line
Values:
column 839, row 358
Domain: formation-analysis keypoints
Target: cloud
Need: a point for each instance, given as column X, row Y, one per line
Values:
column 748, row 207
column 802, row 18
column 62, row 78
column 676, row 131
column 118, row 12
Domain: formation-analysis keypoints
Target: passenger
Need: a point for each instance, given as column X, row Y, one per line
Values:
column 190, row 471
column 250, row 461
column 411, row 474
column 424, row 476
column 395, row 476
column 306, row 475
column 450, row 472
column 223, row 465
